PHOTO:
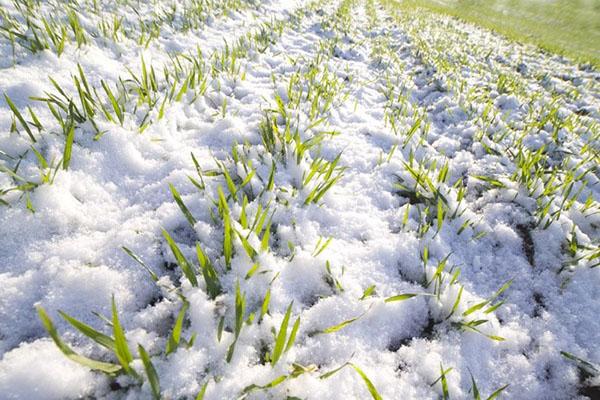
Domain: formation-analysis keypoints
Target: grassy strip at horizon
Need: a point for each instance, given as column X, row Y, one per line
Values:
column 570, row 28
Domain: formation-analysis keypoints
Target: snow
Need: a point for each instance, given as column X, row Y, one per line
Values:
column 39, row 371
column 68, row 256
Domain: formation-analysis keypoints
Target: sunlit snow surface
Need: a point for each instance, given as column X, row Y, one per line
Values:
column 67, row 255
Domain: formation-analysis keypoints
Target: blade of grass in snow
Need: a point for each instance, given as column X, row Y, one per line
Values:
column 150, row 372
column 90, row 332
column 188, row 215
column 370, row 291
column 292, row 337
column 202, row 392
column 339, row 326
column 370, row 387
column 297, row 370
column 175, row 337
column 281, row 337
column 444, row 382
column 586, row 365
column 68, row 146
column 105, row 367
column 142, row 263
column 183, row 263
column 121, row 347
column 251, row 271
column 19, row 117
column 372, row 390
column 401, row 297
column 264, row 309
column 240, row 310
column 320, row 248
column 211, row 278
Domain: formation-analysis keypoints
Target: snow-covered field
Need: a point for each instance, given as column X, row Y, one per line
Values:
column 292, row 200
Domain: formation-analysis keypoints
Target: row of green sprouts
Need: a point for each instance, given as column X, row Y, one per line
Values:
column 559, row 175
column 135, row 101
column 242, row 209
column 36, row 26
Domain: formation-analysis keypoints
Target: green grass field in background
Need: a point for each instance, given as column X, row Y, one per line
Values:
column 569, row 27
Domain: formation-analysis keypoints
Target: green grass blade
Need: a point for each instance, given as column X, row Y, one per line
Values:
column 247, row 246
column 475, row 307
column 182, row 206
column 90, row 332
column 269, row 385
column 18, row 115
column 227, row 240
column 150, row 372
column 372, row 390
column 121, row 347
column 502, row 289
column 181, row 260
column 113, row 101
column 456, row 302
column 497, row 392
column 444, row 382
column 281, row 336
column 252, row 271
column 586, row 365
column 445, row 392
column 213, row 285
column 474, row 388
column 370, row 291
column 340, row 326
column 240, row 307
column 264, row 309
column 264, row 243
column 107, row 368
column 333, row 371
column 139, row 261
column 68, row 146
column 175, row 337
column 401, row 297
column 293, row 334
column 202, row 392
